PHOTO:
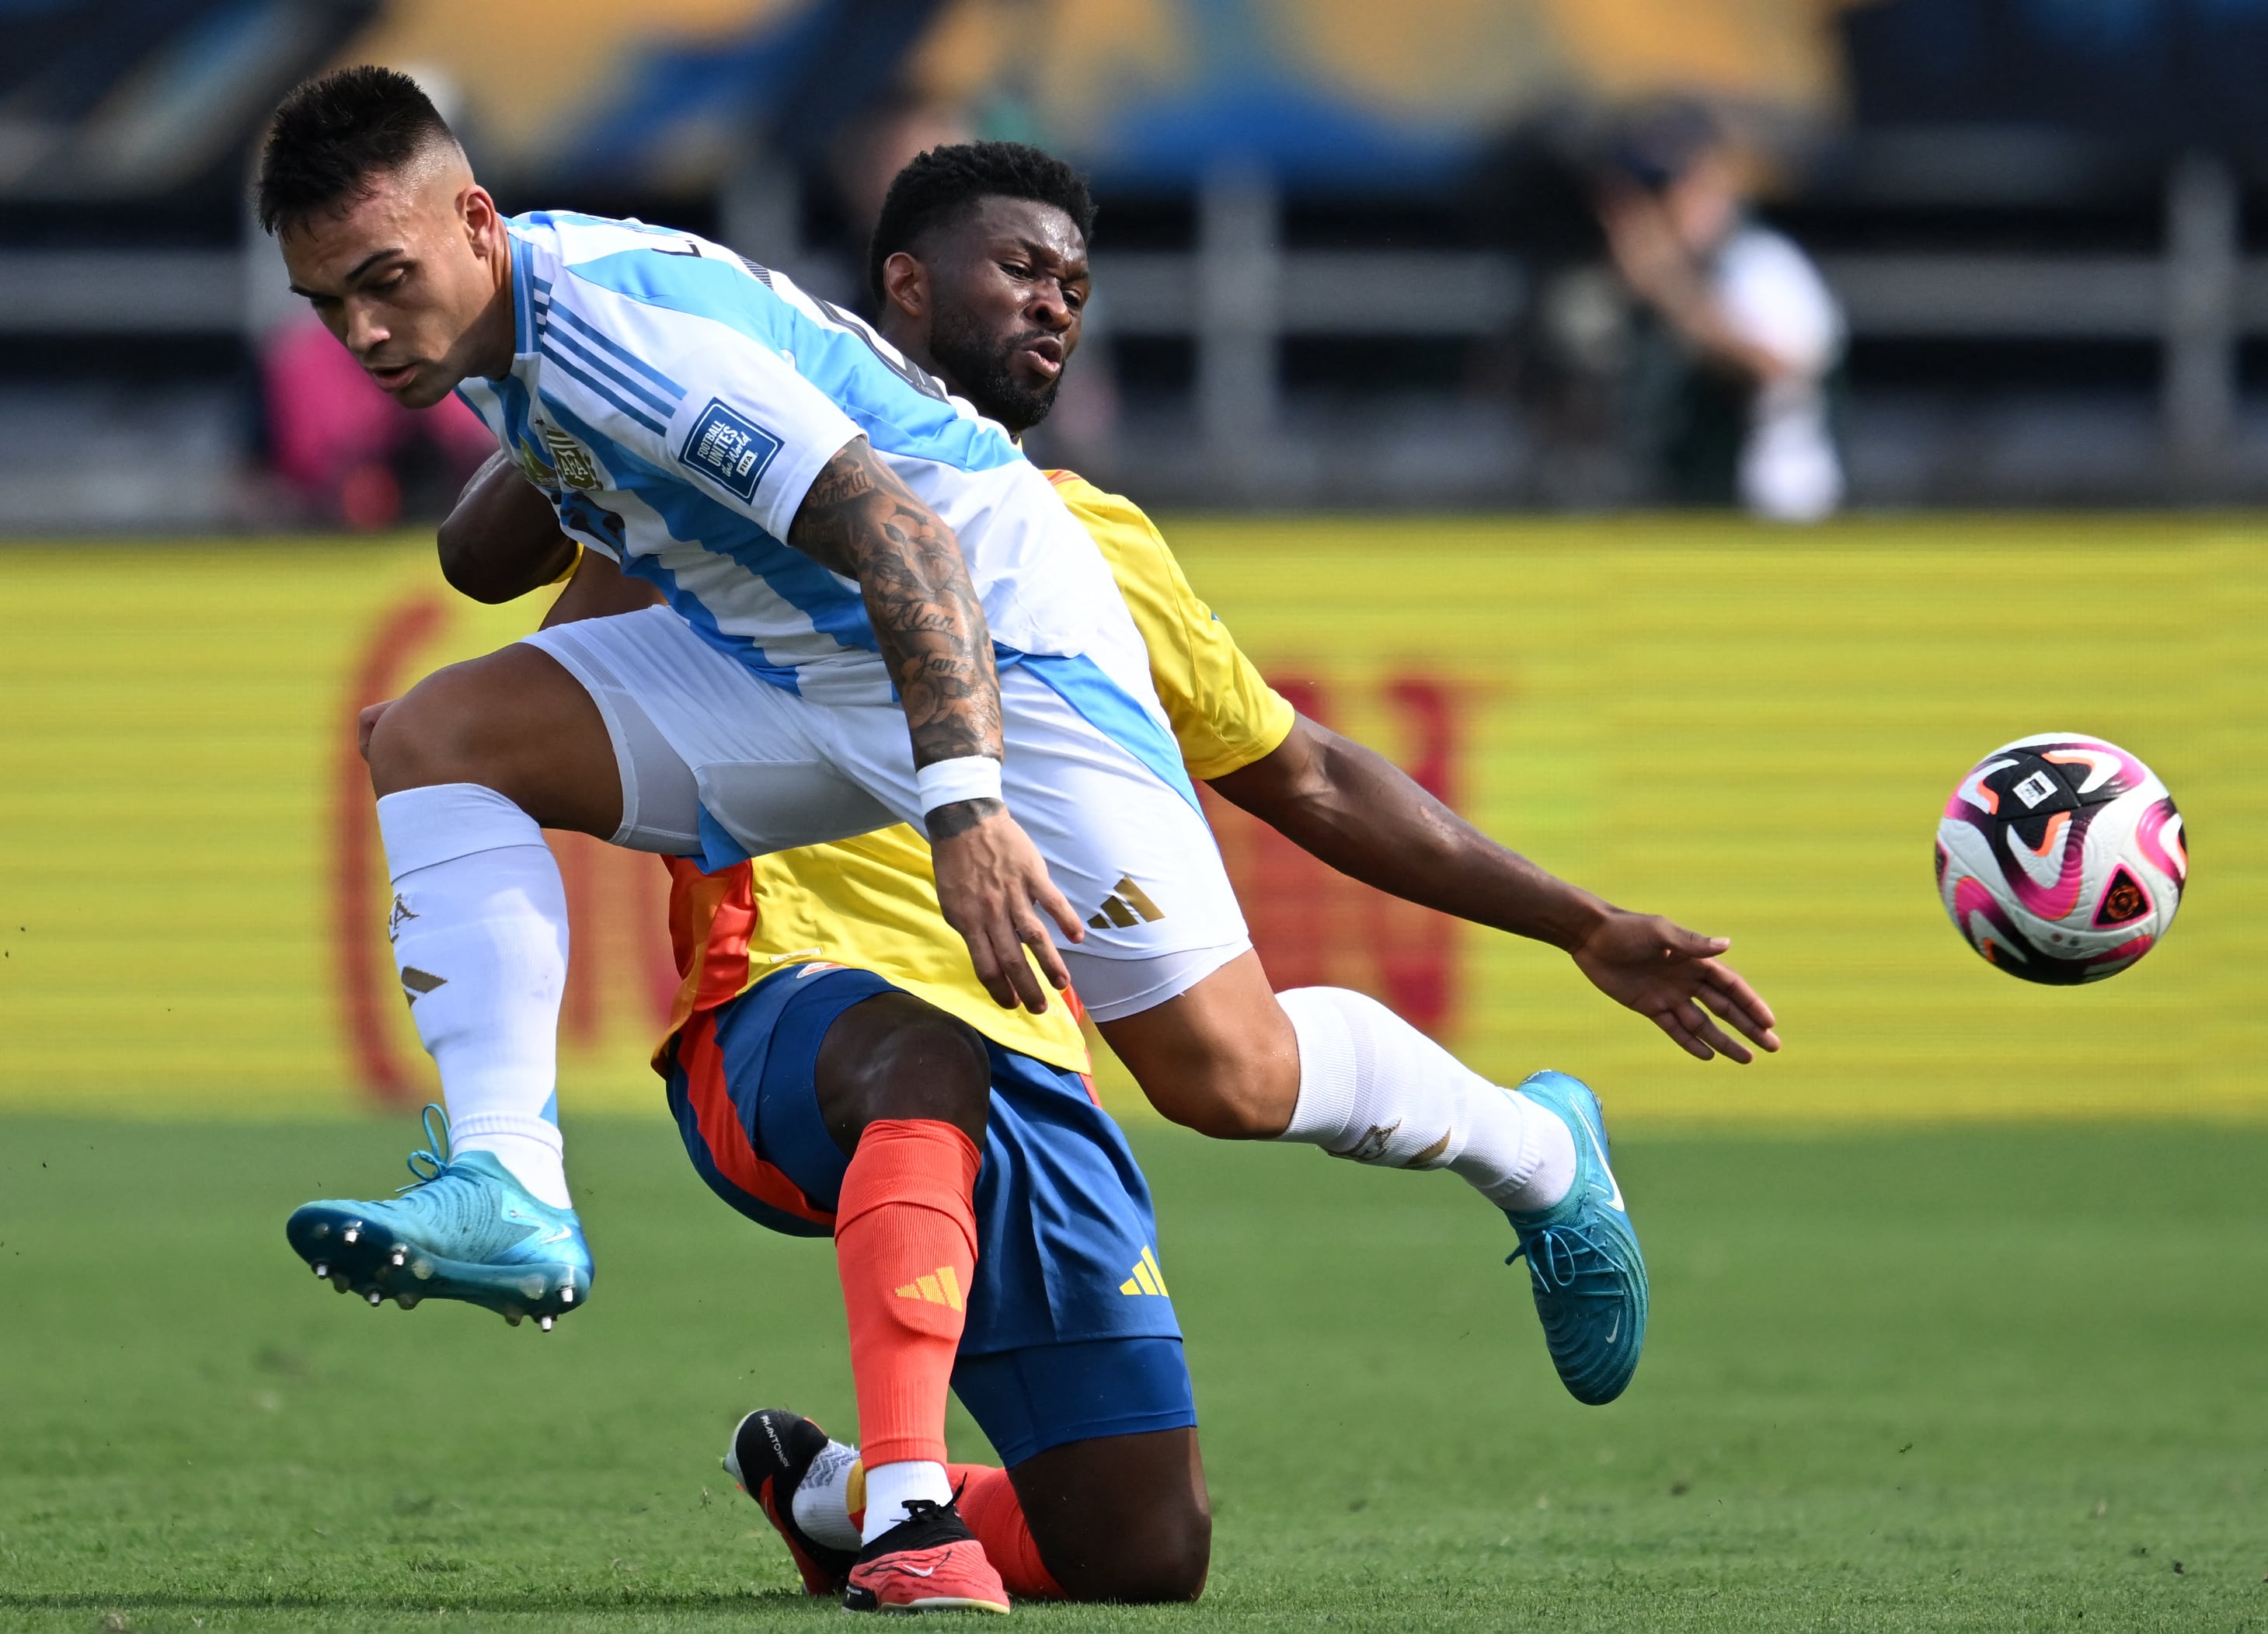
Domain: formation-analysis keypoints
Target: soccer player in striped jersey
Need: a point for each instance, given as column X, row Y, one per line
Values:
column 823, row 999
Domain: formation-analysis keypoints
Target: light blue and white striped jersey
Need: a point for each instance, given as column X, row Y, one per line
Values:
column 676, row 402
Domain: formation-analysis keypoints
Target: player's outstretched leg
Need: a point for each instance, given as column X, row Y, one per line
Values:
column 1365, row 1086
column 1583, row 1258
column 467, row 1230
column 1375, row 1090
column 809, row 1487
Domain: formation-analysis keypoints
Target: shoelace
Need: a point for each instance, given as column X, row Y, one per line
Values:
column 1552, row 1260
column 435, row 1150
column 1553, row 1254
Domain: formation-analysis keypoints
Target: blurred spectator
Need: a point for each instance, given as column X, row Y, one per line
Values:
column 1737, row 409
column 351, row 453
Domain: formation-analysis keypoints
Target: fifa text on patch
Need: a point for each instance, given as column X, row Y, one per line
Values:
column 730, row 449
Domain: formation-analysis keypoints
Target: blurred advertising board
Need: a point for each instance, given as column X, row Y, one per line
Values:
column 1751, row 732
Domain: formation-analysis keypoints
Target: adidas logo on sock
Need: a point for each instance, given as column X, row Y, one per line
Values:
column 1147, row 1278
column 942, row 1289
column 1130, row 904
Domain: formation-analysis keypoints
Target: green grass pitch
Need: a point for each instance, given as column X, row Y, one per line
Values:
column 1999, row 1380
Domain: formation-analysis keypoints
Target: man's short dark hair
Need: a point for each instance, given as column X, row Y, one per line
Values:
column 944, row 184
column 335, row 133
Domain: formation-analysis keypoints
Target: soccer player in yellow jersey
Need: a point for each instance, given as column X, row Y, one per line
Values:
column 827, row 1007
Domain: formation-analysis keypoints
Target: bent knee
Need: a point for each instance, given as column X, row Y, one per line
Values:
column 1223, row 1059
column 436, row 732
column 1178, row 1574
column 1167, row 1567
column 1229, row 1094
column 894, row 1056
column 1225, row 1117
column 912, row 1050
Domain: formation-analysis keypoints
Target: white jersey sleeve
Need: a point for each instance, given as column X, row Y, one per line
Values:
column 740, row 421
column 761, row 436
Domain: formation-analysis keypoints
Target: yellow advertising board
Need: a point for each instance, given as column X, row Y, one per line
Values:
column 1753, row 732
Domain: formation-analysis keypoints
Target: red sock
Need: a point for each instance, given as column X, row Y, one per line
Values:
column 905, row 1246
column 989, row 1504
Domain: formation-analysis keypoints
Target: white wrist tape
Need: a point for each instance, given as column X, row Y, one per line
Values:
column 945, row 782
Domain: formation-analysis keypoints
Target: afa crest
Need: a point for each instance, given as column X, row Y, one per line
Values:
column 573, row 461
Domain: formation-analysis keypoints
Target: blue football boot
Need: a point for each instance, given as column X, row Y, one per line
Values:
column 1583, row 1258
column 467, row 1230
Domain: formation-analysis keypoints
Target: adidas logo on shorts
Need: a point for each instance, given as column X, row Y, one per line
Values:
column 1129, row 904
column 1147, row 1278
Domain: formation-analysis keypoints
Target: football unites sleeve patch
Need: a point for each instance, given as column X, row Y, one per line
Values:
column 730, row 449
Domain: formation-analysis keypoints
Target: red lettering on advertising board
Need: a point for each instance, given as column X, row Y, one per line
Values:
column 1311, row 925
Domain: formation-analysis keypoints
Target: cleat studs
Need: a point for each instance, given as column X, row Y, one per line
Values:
column 512, row 1316
column 353, row 1232
column 399, row 1258
column 408, row 1301
column 543, row 1323
column 323, row 1267
column 375, row 1298
column 340, row 1282
column 567, row 1294
column 422, row 1269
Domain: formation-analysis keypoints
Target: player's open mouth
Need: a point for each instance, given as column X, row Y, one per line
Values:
column 394, row 379
column 1046, row 357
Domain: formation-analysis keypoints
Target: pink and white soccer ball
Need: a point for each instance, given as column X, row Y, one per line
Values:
column 2061, row 858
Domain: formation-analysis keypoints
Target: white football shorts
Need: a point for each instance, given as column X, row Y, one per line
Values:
column 719, row 763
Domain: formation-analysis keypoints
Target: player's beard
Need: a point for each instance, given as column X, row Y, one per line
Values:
column 986, row 377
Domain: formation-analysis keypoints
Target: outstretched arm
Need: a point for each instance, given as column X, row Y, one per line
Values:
column 860, row 520
column 1355, row 810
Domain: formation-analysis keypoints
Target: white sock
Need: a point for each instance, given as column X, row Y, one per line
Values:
column 480, row 936
column 889, row 1486
column 823, row 1497
column 1375, row 1089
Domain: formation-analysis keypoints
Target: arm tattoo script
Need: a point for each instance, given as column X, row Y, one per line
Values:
column 859, row 520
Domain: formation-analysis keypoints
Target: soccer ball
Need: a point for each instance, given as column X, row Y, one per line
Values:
column 2061, row 858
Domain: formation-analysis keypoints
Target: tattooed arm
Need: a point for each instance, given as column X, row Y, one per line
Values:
column 860, row 520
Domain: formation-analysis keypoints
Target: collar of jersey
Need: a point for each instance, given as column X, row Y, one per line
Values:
column 525, row 340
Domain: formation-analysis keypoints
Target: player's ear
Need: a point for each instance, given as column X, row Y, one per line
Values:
column 484, row 225
column 905, row 284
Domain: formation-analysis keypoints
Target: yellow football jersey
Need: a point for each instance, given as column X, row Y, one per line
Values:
column 871, row 902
